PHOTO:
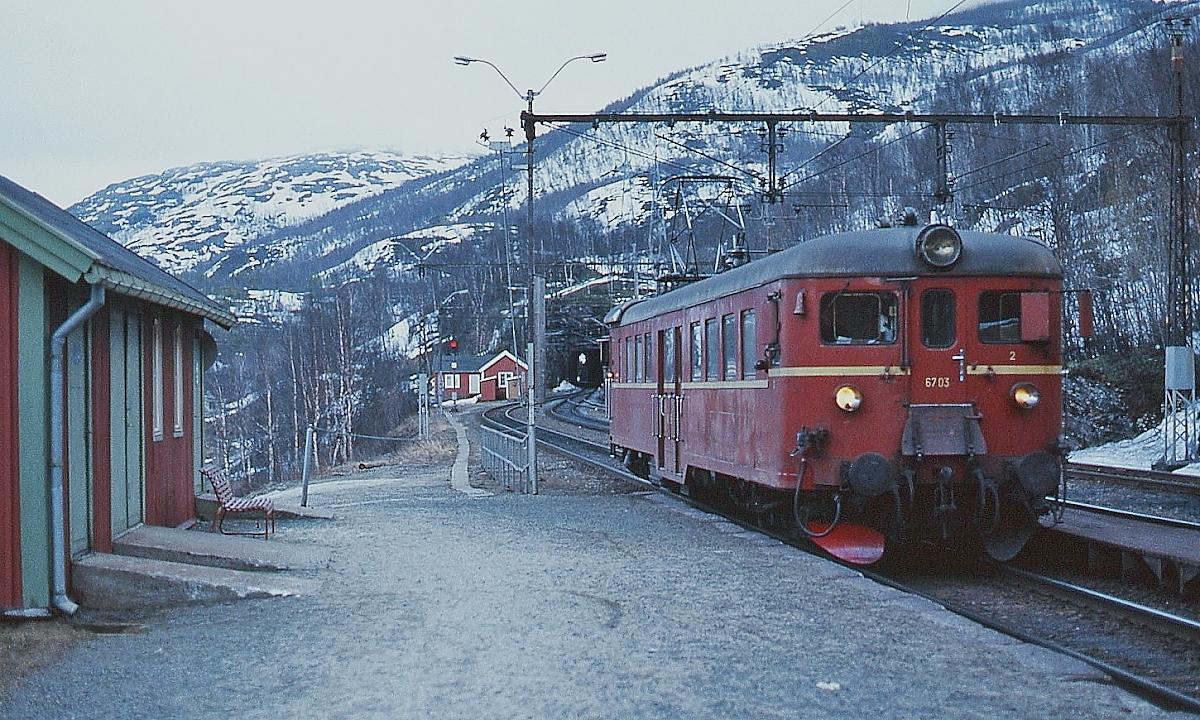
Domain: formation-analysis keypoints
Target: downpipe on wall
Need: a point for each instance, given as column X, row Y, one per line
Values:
column 58, row 381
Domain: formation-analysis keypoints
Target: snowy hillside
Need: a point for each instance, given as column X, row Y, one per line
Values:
column 870, row 69
column 221, row 220
column 321, row 252
column 188, row 216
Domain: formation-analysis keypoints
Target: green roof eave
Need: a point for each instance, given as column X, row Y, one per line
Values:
column 43, row 243
column 132, row 286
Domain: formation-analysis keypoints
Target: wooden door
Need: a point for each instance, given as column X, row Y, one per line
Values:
column 125, row 421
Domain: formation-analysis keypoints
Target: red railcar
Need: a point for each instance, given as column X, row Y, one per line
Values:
column 901, row 383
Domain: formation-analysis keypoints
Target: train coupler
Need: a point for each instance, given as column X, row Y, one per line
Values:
column 945, row 491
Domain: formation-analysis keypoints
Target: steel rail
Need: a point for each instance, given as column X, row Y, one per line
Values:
column 572, row 416
column 1130, row 515
column 1144, row 478
column 1130, row 681
column 1123, row 606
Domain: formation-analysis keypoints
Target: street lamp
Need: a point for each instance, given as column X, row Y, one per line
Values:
column 535, row 299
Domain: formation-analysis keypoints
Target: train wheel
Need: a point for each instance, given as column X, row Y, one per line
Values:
column 702, row 486
column 737, row 494
column 637, row 463
column 764, row 506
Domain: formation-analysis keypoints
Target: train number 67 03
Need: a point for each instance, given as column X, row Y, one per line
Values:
column 937, row 382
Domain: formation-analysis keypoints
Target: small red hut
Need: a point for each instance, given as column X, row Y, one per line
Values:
column 483, row 377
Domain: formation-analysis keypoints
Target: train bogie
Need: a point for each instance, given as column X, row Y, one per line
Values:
column 901, row 381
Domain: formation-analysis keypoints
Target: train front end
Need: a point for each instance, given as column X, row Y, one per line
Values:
column 943, row 394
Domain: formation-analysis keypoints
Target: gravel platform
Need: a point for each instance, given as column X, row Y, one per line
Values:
column 440, row 604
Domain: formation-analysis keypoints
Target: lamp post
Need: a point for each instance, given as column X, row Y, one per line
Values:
column 535, row 298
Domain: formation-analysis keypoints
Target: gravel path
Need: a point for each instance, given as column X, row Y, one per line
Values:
column 435, row 604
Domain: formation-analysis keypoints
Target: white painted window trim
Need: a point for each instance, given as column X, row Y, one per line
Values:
column 156, row 381
column 177, row 430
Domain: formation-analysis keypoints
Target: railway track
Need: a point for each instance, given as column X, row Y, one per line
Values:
column 1147, row 650
column 1131, row 515
column 1154, row 479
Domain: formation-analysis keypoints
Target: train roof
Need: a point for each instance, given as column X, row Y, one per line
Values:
column 880, row 252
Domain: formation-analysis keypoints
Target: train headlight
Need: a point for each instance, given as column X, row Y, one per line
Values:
column 1026, row 395
column 939, row 246
column 848, row 398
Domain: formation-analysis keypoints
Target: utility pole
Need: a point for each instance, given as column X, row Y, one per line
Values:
column 1179, row 386
column 536, row 297
column 944, row 193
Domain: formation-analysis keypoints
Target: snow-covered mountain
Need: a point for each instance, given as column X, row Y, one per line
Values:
column 187, row 218
column 378, row 255
column 234, row 223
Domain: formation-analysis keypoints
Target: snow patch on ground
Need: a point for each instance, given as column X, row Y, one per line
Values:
column 1138, row 453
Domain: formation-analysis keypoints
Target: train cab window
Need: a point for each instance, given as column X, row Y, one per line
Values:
column 937, row 318
column 712, row 346
column 1000, row 317
column 729, row 347
column 748, row 344
column 697, row 352
column 858, row 318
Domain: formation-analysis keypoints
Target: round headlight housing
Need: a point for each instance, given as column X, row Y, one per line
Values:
column 939, row 246
column 1025, row 395
column 848, row 398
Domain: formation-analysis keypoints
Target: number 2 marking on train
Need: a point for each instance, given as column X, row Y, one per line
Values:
column 1012, row 354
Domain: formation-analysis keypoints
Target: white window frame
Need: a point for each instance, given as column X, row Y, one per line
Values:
column 177, row 429
column 156, row 381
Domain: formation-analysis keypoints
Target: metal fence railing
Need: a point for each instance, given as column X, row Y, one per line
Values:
column 505, row 457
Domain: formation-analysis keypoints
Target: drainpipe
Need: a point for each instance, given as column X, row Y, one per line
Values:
column 58, row 381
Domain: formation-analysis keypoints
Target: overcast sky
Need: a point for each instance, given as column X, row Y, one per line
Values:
column 99, row 91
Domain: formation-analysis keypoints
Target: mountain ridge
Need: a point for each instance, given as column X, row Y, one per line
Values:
column 220, row 221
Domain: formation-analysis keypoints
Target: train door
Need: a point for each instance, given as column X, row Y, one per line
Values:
column 670, row 404
column 942, row 417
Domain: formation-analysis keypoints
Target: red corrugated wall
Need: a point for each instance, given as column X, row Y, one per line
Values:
column 101, row 435
column 10, row 533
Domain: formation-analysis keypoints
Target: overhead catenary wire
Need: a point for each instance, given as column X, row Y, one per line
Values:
column 620, row 146
column 849, row 160
column 1059, row 156
column 731, row 166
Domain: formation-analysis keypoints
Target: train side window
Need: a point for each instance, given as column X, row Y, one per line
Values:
column 648, row 358
column 937, row 318
column 1000, row 317
column 628, row 360
column 668, row 354
column 748, row 344
column 697, row 355
column 858, row 318
column 639, row 366
column 712, row 346
column 729, row 347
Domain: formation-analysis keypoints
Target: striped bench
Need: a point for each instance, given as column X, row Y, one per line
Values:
column 227, row 502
